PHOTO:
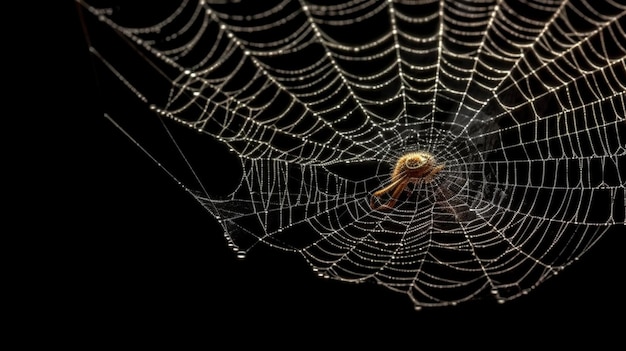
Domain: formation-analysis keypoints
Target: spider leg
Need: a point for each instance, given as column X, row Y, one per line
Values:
column 396, row 194
column 379, row 193
column 397, row 186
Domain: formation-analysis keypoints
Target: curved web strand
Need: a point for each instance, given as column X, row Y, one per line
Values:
column 521, row 103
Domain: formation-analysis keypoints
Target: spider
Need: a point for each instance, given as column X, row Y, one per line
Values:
column 412, row 168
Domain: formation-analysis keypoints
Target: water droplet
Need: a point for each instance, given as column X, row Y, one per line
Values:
column 241, row 254
column 417, row 308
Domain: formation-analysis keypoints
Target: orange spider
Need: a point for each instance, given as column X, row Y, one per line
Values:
column 412, row 168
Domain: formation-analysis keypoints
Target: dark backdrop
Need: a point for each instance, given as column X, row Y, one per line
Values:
column 140, row 258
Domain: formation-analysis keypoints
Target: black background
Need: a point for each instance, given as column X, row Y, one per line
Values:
column 139, row 258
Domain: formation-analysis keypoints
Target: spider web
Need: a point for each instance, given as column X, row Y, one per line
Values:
column 523, row 102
